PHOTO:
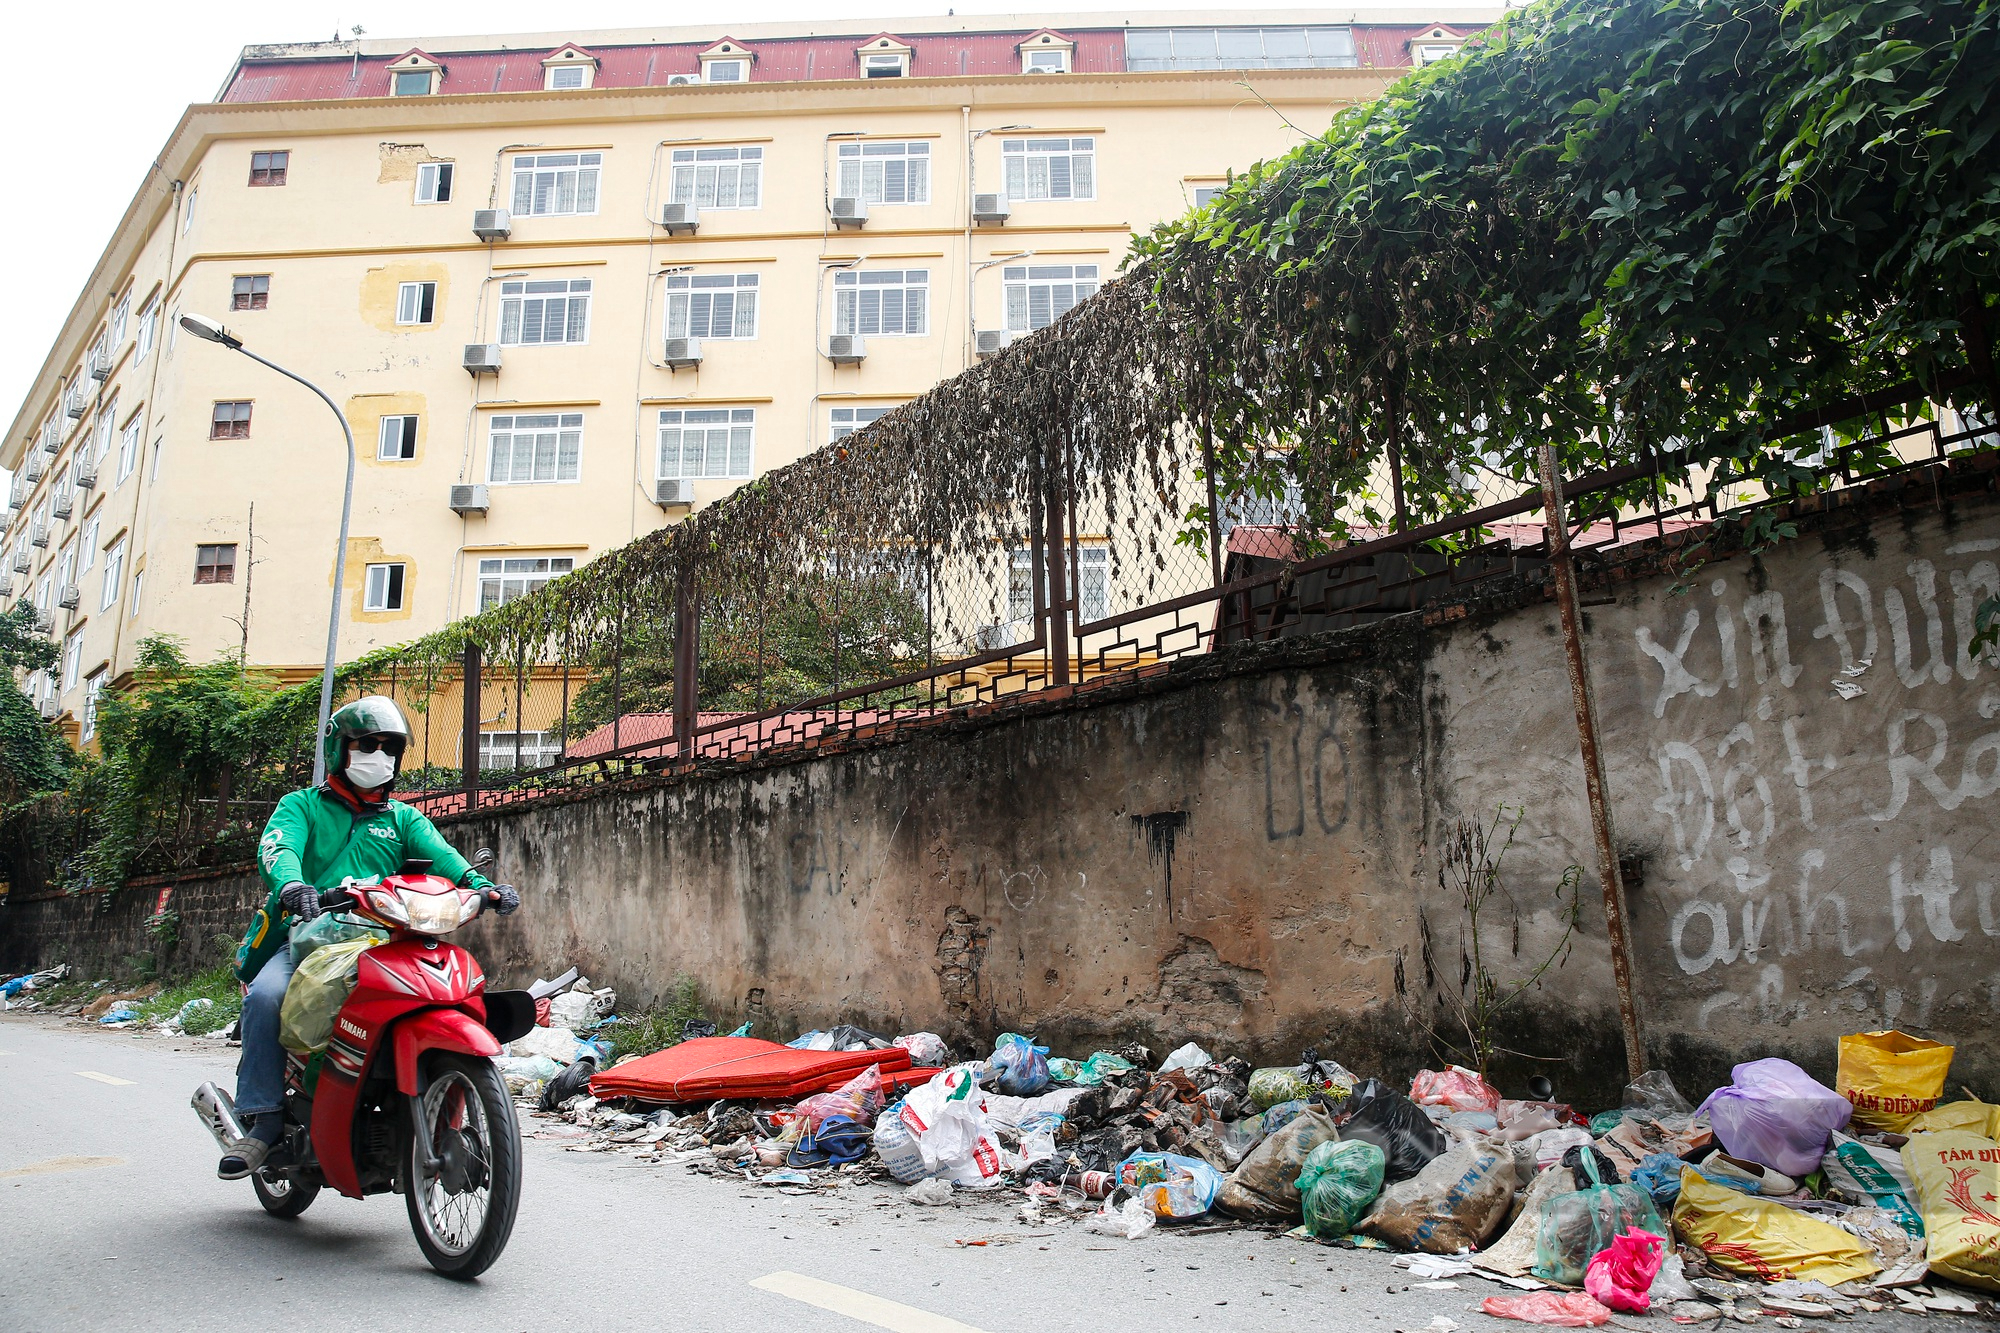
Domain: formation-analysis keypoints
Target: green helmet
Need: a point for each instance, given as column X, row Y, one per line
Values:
column 371, row 715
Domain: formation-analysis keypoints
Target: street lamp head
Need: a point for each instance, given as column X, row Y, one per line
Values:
column 209, row 331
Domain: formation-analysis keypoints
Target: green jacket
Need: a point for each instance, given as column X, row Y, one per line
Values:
column 317, row 837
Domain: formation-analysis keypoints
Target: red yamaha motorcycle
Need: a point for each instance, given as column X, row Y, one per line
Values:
column 405, row 1097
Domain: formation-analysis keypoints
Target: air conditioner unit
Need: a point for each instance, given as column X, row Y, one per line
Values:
column 70, row 597
column 52, row 438
column 683, row 352
column 678, row 218
column 76, row 402
column 846, row 349
column 675, row 493
column 84, row 474
column 45, row 621
column 63, row 505
column 482, row 358
column 492, row 224
column 17, row 492
column 990, row 208
column 38, row 535
column 682, row 80
column 21, row 561
column 33, row 468
column 850, row 212
column 6, row 587
column 100, row 363
column 988, row 342
column 469, row 499
column 51, row 708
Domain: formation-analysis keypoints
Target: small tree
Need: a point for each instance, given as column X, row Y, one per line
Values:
column 33, row 758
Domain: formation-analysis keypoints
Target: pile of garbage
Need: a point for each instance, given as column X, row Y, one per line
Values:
column 1777, row 1197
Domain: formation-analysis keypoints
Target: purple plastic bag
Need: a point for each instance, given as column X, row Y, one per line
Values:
column 1775, row 1113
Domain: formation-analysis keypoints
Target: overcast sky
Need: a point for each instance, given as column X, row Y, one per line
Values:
column 107, row 82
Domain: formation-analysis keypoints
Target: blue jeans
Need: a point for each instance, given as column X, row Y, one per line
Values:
column 260, row 1073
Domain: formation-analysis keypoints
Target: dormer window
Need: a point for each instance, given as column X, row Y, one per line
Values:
column 1437, row 44
column 1046, row 53
column 884, row 58
column 414, row 75
column 725, row 62
column 568, row 67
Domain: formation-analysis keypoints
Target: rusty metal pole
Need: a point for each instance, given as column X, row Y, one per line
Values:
column 1616, row 919
column 468, row 745
column 687, row 662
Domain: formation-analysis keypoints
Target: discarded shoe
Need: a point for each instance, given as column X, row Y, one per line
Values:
column 1749, row 1177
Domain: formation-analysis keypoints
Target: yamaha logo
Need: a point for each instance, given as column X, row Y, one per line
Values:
column 358, row 1033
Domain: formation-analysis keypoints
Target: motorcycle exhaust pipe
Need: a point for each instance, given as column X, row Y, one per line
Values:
column 217, row 1113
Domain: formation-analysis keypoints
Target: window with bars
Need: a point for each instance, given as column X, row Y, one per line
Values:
column 397, row 440
column 885, row 172
column 1050, row 168
column 382, row 588
column 528, row 749
column 250, row 291
column 556, row 184
column 503, row 578
column 416, row 302
column 1092, row 573
column 719, row 177
column 846, row 420
column 215, row 564
column 1239, row 48
column 535, row 447
column 712, row 305
column 269, row 168
column 1040, row 294
column 434, row 182
column 229, row 421
column 882, row 302
column 706, row 442
column 545, row 311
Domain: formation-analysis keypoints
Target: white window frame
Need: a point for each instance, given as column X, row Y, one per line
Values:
column 1033, row 56
column 149, row 321
column 696, row 300
column 379, row 581
column 93, row 689
column 854, row 313
column 1093, row 582
column 128, row 448
column 114, row 574
column 391, row 435
column 1190, row 46
column 553, row 442
column 93, row 529
column 1061, row 287
column 517, row 297
column 1204, row 195
column 106, row 428
column 844, row 420
column 538, row 749
column 138, row 582
column 1029, row 168
column 568, row 76
column 741, row 64
column 416, row 303
column 72, row 661
column 707, row 175
column 1431, row 52
column 121, row 317
column 556, row 185
column 396, row 78
column 434, row 181
column 187, row 214
column 904, row 164
column 66, row 564
column 885, row 64
column 507, row 577
column 727, row 448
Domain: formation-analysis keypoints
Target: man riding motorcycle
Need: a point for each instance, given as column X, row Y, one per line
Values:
column 318, row 836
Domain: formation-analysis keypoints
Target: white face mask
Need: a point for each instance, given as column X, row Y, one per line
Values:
column 369, row 771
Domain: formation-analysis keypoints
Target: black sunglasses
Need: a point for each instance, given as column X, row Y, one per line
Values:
column 392, row 745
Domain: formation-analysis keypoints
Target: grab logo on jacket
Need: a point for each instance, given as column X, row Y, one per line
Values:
column 383, row 831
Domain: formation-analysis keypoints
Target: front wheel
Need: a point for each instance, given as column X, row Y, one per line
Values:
column 281, row 1195
column 462, row 1205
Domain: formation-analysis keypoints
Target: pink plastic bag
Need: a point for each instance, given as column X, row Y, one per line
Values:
column 1457, row 1087
column 859, row 1099
column 1620, row 1276
column 1571, row 1309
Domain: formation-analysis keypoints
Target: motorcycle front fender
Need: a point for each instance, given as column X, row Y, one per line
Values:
column 436, row 1030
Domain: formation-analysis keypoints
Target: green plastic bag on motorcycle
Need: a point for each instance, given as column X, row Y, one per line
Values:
column 319, row 987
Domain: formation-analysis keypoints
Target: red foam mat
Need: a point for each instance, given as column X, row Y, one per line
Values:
column 743, row 1067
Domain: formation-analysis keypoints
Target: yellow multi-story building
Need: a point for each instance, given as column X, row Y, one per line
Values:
column 566, row 287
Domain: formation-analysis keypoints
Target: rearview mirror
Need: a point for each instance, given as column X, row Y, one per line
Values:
column 482, row 858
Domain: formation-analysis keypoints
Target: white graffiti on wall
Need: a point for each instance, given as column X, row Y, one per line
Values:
column 1764, row 821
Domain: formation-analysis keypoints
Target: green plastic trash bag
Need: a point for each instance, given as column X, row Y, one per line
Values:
column 331, row 928
column 1574, row 1228
column 319, row 987
column 1099, row 1067
column 1268, row 1087
column 1339, row 1182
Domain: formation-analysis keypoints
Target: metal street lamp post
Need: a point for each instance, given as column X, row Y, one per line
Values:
column 210, row 331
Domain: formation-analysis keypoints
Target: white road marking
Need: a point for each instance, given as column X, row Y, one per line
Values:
column 55, row 1165
column 96, row 1077
column 858, row 1305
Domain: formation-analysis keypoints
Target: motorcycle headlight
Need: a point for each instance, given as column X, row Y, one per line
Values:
column 438, row 913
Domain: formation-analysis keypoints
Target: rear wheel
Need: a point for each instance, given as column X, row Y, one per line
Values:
column 462, row 1205
column 281, row 1196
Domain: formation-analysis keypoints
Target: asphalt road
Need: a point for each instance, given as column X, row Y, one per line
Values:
column 114, row 1219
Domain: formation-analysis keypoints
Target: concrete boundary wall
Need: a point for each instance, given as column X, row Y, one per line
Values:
column 1803, row 757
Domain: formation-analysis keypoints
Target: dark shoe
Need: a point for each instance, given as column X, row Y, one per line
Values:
column 245, row 1155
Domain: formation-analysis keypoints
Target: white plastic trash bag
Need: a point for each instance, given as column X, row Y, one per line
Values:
column 1131, row 1221
column 581, row 1008
column 557, row 1043
column 948, row 1117
column 1189, row 1056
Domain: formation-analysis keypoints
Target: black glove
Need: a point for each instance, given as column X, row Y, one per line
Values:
column 301, row 900
column 505, row 898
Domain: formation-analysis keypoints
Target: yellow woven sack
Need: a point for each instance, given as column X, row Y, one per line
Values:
column 1891, row 1076
column 1981, row 1118
column 1762, row 1239
column 319, row 987
column 1957, row 1176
